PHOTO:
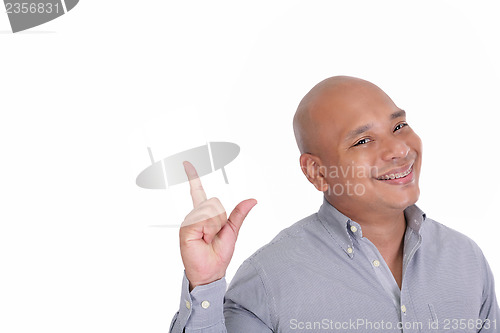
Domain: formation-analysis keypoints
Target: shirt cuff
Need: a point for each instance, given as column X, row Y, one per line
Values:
column 203, row 306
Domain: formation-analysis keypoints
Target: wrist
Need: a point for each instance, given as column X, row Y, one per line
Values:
column 194, row 284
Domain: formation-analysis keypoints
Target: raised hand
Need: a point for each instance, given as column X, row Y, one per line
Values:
column 207, row 236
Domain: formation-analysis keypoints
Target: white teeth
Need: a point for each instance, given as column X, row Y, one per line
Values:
column 397, row 175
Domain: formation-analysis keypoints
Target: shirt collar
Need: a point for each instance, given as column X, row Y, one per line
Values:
column 345, row 231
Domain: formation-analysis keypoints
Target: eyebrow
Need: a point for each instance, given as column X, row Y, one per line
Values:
column 397, row 114
column 361, row 129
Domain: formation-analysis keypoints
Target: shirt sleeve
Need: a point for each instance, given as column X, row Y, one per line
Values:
column 490, row 312
column 201, row 310
column 209, row 309
column 246, row 306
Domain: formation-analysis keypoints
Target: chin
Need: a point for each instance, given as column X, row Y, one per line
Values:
column 403, row 202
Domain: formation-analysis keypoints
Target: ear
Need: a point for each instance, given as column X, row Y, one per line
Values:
column 314, row 171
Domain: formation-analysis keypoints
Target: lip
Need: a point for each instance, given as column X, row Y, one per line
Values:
column 399, row 181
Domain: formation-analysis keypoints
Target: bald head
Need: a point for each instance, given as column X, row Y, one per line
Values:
column 351, row 135
column 332, row 95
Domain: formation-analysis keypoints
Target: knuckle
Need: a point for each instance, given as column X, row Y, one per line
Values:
column 215, row 206
column 214, row 201
column 213, row 211
column 188, row 215
column 212, row 225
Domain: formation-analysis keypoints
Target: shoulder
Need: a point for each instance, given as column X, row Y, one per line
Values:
column 442, row 233
column 291, row 249
column 264, row 271
column 293, row 238
column 455, row 255
column 445, row 240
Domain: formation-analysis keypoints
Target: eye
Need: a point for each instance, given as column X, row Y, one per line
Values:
column 400, row 126
column 362, row 142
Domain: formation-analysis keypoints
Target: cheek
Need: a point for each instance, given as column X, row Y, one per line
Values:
column 356, row 167
column 363, row 165
column 355, row 171
column 415, row 142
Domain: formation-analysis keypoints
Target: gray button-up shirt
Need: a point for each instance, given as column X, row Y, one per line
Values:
column 322, row 275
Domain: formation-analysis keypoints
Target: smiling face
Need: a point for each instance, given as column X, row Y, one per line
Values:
column 357, row 146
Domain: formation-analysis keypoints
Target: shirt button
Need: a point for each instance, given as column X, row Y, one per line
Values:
column 205, row 304
column 376, row 263
column 349, row 250
column 403, row 308
column 188, row 305
column 353, row 228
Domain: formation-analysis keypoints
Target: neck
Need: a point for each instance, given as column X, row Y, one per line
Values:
column 384, row 228
column 385, row 231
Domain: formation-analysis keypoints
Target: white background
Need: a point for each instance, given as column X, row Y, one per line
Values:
column 82, row 97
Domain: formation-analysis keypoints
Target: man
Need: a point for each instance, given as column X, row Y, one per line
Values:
column 369, row 260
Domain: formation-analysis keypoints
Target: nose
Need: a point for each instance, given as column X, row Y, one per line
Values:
column 394, row 148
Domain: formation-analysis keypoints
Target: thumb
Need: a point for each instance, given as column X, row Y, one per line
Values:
column 236, row 218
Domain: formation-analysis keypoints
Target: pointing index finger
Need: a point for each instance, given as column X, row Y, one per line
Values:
column 197, row 193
